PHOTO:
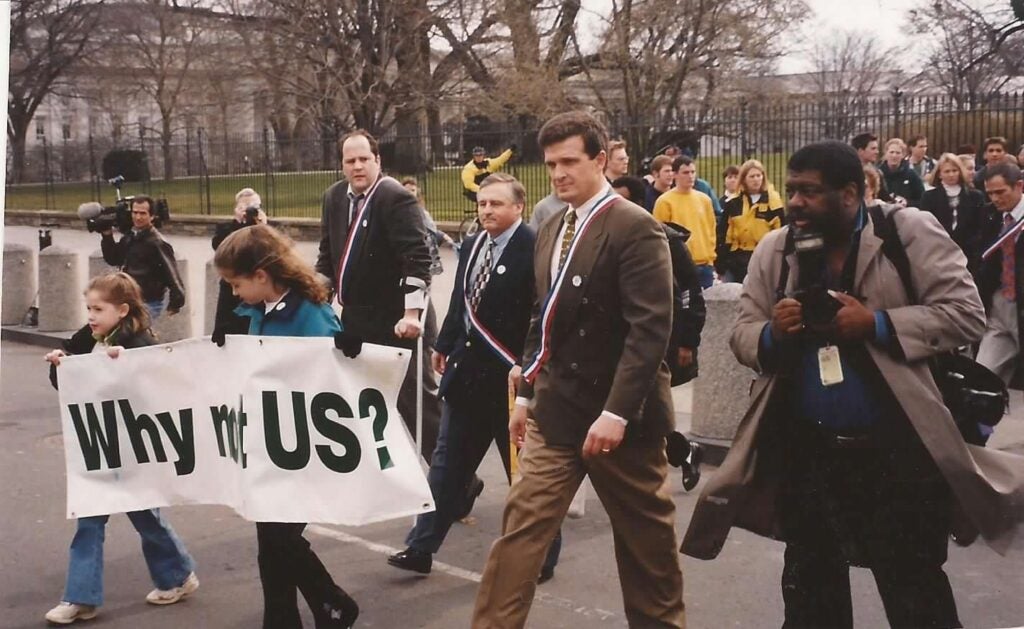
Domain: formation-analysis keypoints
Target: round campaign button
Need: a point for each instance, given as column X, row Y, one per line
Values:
column 501, row 269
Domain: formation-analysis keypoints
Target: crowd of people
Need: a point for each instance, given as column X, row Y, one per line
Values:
column 564, row 335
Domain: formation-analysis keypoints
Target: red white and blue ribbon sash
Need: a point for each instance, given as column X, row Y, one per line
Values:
column 357, row 223
column 1010, row 233
column 547, row 313
column 492, row 341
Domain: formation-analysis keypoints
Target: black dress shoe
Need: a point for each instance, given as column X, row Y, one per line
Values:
column 339, row 611
column 691, row 469
column 546, row 574
column 413, row 560
column 476, row 487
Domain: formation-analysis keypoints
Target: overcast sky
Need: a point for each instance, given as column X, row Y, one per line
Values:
column 885, row 18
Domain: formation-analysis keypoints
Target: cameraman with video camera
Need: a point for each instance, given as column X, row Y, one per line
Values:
column 144, row 254
column 248, row 211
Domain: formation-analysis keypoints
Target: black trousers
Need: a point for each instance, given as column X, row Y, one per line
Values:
column 881, row 507
column 288, row 565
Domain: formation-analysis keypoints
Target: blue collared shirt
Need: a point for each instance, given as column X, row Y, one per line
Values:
column 849, row 407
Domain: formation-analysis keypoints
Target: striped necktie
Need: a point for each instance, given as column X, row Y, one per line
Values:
column 570, row 231
column 484, row 274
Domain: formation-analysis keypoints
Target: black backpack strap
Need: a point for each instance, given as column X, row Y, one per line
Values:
column 892, row 246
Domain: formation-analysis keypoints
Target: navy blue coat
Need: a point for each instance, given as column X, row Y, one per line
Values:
column 475, row 371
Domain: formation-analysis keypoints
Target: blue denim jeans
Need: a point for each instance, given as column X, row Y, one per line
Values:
column 156, row 308
column 705, row 275
column 168, row 561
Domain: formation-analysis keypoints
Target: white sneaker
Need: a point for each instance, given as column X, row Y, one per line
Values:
column 173, row 595
column 66, row 613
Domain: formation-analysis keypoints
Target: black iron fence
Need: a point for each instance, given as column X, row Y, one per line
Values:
column 200, row 171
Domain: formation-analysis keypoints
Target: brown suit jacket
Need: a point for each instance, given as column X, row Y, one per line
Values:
column 610, row 329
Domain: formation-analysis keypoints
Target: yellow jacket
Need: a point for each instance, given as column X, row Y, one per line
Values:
column 746, row 223
column 694, row 211
column 472, row 174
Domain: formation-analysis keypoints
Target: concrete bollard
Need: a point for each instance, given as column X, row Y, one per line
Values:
column 61, row 304
column 19, row 282
column 98, row 266
column 721, row 391
column 175, row 328
column 212, row 291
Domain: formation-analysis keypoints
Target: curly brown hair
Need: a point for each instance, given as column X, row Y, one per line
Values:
column 121, row 288
column 261, row 247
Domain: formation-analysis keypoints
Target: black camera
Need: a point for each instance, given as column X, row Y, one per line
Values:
column 818, row 307
column 251, row 214
column 99, row 218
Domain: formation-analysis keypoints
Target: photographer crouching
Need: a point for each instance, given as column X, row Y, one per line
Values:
column 148, row 258
column 248, row 211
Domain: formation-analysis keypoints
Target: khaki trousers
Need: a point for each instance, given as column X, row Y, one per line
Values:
column 631, row 483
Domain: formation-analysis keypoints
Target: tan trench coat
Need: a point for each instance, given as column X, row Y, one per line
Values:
column 987, row 484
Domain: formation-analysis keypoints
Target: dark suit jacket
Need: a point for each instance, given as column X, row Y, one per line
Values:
column 970, row 218
column 989, row 278
column 390, row 247
column 475, row 372
column 609, row 334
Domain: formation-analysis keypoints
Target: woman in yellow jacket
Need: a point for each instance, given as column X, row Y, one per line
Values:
column 746, row 219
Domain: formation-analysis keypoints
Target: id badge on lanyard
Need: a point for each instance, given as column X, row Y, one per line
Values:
column 830, row 366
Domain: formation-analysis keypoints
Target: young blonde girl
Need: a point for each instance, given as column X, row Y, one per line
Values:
column 282, row 297
column 118, row 319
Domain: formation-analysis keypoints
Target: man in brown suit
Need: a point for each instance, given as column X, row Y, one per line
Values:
column 593, row 398
column 847, row 452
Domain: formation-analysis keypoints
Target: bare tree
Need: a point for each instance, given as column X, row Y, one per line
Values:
column 48, row 38
column 659, row 59
column 975, row 48
column 848, row 68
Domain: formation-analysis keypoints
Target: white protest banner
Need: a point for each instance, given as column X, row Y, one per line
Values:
column 280, row 429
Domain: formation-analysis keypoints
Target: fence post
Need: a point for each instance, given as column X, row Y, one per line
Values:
column 188, row 153
column 47, row 179
column 267, row 175
column 744, row 122
column 897, row 96
column 199, row 178
column 95, row 176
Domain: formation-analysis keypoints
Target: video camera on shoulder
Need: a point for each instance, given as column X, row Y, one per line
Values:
column 819, row 308
column 99, row 218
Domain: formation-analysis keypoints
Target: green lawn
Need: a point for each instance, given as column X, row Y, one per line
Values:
column 298, row 194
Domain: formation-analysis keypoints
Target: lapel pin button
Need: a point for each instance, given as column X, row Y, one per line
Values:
column 364, row 222
column 279, row 306
column 501, row 269
column 577, row 281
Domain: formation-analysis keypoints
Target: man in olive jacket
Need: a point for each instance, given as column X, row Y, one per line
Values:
column 831, row 461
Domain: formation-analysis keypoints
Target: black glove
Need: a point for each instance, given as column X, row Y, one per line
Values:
column 349, row 343
column 218, row 337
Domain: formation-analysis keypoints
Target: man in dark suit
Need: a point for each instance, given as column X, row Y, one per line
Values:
column 1001, row 272
column 594, row 396
column 373, row 249
column 480, row 341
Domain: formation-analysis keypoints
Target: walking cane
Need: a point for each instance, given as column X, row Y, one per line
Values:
column 513, row 451
column 419, row 378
